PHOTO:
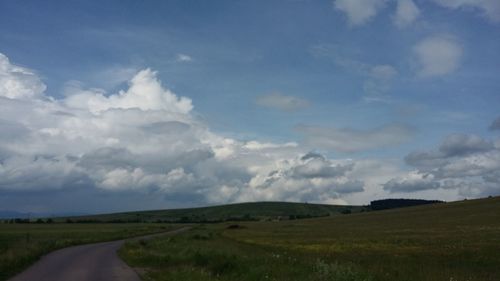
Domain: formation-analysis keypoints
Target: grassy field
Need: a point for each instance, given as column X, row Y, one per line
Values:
column 457, row 241
column 23, row 244
column 205, row 253
column 241, row 211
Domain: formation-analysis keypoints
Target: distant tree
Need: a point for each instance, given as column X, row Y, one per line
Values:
column 184, row 219
column 19, row 220
column 39, row 220
column 345, row 211
column 49, row 220
column 399, row 203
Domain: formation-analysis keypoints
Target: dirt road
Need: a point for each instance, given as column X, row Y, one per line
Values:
column 91, row 262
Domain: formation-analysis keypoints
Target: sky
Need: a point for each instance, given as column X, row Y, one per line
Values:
column 124, row 105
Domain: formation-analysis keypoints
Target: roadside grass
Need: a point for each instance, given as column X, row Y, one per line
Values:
column 22, row 244
column 457, row 241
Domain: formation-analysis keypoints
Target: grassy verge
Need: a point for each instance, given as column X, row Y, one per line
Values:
column 23, row 244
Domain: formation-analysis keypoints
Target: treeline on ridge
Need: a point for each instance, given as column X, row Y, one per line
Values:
column 385, row 204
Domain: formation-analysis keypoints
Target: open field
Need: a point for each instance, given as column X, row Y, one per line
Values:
column 241, row 211
column 22, row 244
column 452, row 241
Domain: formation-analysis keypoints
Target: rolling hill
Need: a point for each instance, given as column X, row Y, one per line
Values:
column 240, row 212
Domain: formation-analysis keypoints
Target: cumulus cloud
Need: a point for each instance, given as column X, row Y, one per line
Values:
column 317, row 166
column 352, row 140
column 18, row 82
column 462, row 144
column 437, row 56
column 296, row 178
column 406, row 13
column 144, row 143
column 466, row 163
column 359, row 12
column 282, row 102
column 412, row 182
column 145, row 92
column 489, row 8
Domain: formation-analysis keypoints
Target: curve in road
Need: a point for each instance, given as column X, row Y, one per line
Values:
column 91, row 262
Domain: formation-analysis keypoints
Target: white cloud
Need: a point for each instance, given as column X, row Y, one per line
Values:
column 406, row 13
column 438, row 55
column 412, row 182
column 359, row 12
column 183, row 58
column 310, row 177
column 465, row 163
column 18, row 82
column 145, row 93
column 255, row 145
column 282, row 102
column 489, row 8
column 352, row 140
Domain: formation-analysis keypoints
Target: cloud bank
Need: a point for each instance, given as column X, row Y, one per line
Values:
column 467, row 164
column 144, row 142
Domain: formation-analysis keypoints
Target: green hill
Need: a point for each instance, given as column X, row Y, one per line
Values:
column 241, row 212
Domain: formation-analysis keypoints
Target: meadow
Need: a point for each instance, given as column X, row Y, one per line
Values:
column 23, row 244
column 457, row 241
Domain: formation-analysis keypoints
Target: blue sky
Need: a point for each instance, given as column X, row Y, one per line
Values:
column 357, row 82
